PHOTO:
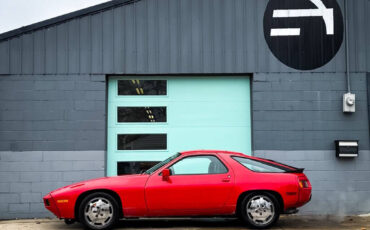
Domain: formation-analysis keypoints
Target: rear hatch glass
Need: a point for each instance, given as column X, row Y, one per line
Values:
column 267, row 166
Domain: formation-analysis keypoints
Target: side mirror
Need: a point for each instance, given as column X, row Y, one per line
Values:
column 166, row 174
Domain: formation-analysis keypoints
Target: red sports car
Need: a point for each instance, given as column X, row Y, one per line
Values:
column 194, row 183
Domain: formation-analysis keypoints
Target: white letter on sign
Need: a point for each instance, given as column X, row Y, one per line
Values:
column 321, row 11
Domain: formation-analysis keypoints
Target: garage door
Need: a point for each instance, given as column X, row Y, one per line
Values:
column 151, row 118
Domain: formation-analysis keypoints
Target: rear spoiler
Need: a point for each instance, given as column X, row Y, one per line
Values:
column 297, row 170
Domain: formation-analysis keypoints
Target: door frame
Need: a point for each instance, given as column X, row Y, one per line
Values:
column 167, row 76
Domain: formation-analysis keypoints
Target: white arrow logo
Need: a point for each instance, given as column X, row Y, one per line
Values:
column 326, row 13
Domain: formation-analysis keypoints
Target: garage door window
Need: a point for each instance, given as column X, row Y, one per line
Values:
column 124, row 168
column 142, row 141
column 142, row 87
column 142, row 114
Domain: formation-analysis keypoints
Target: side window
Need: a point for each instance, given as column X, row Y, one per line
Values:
column 198, row 165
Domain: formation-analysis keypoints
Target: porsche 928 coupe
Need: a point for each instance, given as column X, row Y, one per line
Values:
column 188, row 184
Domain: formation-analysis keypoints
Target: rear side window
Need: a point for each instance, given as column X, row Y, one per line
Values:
column 261, row 166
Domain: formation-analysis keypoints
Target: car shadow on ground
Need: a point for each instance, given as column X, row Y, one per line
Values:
column 285, row 223
column 185, row 223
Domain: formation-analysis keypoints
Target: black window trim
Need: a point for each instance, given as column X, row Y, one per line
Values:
column 200, row 155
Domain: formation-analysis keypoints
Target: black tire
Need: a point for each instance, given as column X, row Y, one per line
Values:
column 108, row 209
column 267, row 208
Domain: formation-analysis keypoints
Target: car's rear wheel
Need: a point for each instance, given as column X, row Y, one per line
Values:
column 260, row 209
column 98, row 211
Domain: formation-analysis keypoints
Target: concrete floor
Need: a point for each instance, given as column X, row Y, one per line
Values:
column 285, row 223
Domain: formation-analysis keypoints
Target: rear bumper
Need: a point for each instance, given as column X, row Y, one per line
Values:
column 291, row 211
column 51, row 205
column 305, row 196
column 295, row 209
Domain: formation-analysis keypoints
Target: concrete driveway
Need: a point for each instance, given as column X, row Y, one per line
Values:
column 285, row 223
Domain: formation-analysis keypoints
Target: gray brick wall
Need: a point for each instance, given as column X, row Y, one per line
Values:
column 39, row 114
column 53, row 112
column 340, row 186
column 25, row 179
column 303, row 111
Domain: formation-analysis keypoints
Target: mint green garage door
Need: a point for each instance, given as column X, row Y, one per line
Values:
column 151, row 118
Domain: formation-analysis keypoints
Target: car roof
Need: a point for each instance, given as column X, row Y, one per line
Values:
column 205, row 152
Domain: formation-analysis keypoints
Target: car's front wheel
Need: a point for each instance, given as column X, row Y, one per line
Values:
column 98, row 211
column 260, row 209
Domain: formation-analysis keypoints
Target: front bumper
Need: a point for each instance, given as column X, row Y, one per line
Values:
column 51, row 205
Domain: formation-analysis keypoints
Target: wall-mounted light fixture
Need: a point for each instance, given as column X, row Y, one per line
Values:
column 348, row 148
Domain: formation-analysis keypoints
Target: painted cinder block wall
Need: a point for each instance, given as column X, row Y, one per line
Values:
column 53, row 94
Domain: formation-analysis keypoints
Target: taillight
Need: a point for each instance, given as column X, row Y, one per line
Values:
column 303, row 184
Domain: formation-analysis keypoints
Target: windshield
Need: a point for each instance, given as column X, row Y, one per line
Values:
column 262, row 166
column 160, row 164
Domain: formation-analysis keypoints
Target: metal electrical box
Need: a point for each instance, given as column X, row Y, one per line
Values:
column 346, row 148
column 349, row 103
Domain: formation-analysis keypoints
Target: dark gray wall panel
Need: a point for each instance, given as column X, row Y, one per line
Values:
column 85, row 45
column 4, row 57
column 39, row 52
column 27, row 53
column 163, row 36
column 207, row 47
column 358, row 37
column 230, row 44
column 73, row 42
column 97, row 43
column 219, row 35
column 15, row 55
column 51, row 50
column 163, row 55
column 108, row 41
column 304, row 111
column 152, row 31
column 130, row 39
column 62, row 48
column 250, row 51
column 141, row 36
column 174, row 36
column 119, row 41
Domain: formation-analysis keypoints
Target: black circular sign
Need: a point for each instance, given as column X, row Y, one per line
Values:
column 303, row 34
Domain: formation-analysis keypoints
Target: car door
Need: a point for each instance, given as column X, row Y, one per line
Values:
column 198, row 185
